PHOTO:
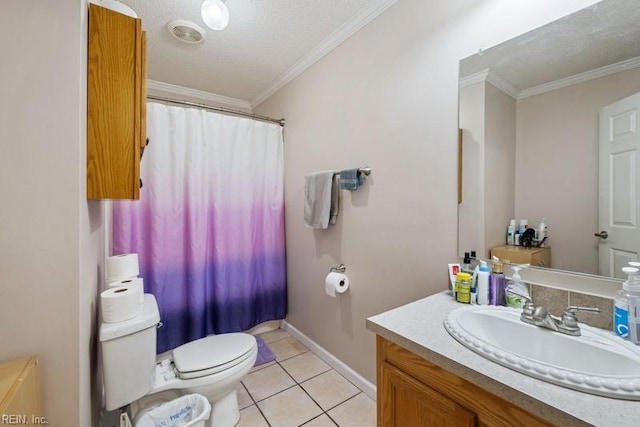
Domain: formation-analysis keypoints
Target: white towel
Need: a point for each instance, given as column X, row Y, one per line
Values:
column 319, row 209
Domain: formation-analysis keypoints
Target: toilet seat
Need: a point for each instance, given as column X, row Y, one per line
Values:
column 212, row 354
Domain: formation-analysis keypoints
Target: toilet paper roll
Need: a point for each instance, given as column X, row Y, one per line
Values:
column 119, row 304
column 122, row 267
column 135, row 282
column 336, row 282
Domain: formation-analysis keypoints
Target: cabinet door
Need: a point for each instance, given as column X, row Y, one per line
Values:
column 20, row 393
column 114, row 104
column 408, row 402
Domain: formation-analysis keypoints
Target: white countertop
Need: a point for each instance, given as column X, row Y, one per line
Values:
column 418, row 327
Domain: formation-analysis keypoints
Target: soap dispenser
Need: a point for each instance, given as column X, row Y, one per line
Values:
column 516, row 289
column 631, row 288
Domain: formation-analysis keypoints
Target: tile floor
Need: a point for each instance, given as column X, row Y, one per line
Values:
column 298, row 389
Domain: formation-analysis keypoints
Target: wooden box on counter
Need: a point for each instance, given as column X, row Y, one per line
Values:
column 537, row 257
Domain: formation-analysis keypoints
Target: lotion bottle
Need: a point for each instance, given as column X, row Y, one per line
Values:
column 483, row 283
column 514, row 299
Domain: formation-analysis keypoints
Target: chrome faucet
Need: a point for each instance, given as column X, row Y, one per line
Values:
column 540, row 316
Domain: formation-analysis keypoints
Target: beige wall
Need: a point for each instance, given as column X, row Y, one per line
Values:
column 500, row 166
column 487, row 117
column 471, row 210
column 557, row 165
column 50, row 235
column 388, row 98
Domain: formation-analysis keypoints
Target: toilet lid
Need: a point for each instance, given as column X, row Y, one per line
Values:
column 209, row 353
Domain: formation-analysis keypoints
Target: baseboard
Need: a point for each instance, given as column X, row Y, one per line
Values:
column 342, row 368
column 269, row 325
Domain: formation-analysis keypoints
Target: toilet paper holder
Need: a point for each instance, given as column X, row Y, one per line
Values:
column 339, row 269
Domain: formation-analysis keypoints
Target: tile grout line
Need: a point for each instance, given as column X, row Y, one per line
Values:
column 254, row 404
column 325, row 412
column 299, row 384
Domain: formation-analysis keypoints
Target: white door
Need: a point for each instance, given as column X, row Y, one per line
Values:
column 619, row 142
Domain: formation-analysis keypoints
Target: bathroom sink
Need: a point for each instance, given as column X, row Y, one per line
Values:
column 597, row 362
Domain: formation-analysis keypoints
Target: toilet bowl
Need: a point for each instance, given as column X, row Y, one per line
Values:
column 212, row 366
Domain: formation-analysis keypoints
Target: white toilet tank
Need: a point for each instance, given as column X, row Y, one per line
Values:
column 129, row 355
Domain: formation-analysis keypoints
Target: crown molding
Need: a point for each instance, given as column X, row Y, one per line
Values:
column 480, row 76
column 581, row 77
column 503, row 84
column 166, row 89
column 327, row 45
column 496, row 80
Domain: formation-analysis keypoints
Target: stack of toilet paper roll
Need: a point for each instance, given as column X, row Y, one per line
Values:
column 125, row 294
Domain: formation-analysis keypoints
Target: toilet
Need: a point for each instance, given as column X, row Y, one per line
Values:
column 212, row 366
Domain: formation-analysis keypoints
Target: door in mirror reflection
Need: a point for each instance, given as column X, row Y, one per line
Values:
column 618, row 202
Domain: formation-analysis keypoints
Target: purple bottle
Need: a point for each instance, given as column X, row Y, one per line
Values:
column 497, row 284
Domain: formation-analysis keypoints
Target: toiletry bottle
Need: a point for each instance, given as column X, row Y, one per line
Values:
column 524, row 224
column 632, row 290
column 474, row 260
column 475, row 265
column 463, row 287
column 473, row 295
column 516, row 238
column 483, row 284
column 511, row 231
column 497, row 284
column 453, row 270
column 621, row 314
column 514, row 299
column 466, row 264
column 541, row 232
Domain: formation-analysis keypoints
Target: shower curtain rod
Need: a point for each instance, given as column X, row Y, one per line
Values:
column 219, row 109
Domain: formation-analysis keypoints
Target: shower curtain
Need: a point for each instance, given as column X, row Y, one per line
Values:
column 209, row 225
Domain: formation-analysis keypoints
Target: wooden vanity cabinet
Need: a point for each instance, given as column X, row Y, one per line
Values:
column 116, row 104
column 538, row 257
column 415, row 392
column 20, row 394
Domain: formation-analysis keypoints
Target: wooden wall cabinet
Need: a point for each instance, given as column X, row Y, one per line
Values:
column 20, row 393
column 116, row 104
column 537, row 257
column 415, row 392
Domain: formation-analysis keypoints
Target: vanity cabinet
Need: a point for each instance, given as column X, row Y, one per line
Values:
column 415, row 392
column 116, row 104
column 537, row 257
column 20, row 394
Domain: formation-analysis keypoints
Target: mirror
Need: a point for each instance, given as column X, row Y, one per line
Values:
column 529, row 114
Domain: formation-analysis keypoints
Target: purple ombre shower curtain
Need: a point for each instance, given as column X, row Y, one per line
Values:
column 209, row 225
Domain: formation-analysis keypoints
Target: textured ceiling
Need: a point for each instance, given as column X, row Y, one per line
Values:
column 603, row 34
column 264, row 39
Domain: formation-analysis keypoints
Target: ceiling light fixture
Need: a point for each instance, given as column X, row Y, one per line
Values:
column 215, row 14
column 186, row 31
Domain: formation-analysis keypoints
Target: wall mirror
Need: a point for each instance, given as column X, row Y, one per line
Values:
column 548, row 124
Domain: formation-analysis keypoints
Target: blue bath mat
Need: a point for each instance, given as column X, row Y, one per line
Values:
column 265, row 354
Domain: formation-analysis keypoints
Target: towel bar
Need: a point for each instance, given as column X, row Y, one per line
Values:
column 365, row 171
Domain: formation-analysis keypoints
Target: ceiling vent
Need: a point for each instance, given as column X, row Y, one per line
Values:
column 186, row 31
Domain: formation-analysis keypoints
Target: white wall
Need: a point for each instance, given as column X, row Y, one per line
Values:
column 388, row 98
column 50, row 235
column 557, row 132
